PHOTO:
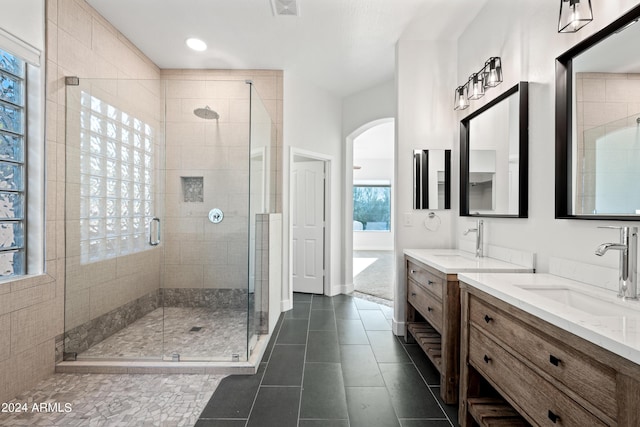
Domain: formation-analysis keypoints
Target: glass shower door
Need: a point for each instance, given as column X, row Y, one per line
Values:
column 114, row 167
column 205, row 280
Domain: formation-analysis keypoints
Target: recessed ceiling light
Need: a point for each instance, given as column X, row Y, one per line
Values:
column 196, row 44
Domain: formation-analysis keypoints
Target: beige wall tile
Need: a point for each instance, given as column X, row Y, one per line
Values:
column 183, row 276
column 32, row 325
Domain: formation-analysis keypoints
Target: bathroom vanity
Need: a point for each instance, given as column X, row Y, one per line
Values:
column 432, row 315
column 542, row 350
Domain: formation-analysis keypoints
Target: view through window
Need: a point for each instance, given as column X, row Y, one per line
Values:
column 372, row 207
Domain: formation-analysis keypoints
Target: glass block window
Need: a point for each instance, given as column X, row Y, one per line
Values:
column 116, row 181
column 12, row 165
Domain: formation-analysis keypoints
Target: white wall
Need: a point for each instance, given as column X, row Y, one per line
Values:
column 425, row 73
column 525, row 35
column 360, row 112
column 367, row 106
column 312, row 118
column 24, row 19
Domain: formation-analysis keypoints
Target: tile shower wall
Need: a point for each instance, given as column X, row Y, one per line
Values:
column 604, row 99
column 78, row 42
column 198, row 253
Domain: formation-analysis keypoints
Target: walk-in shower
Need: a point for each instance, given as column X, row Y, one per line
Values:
column 148, row 274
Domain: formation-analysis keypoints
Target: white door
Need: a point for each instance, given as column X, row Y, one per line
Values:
column 307, row 182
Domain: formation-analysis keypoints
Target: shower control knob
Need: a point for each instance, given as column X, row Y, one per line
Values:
column 215, row 215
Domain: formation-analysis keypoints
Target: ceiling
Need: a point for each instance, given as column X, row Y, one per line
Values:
column 344, row 46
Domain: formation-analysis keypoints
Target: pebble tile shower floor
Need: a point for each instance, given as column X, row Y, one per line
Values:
column 168, row 330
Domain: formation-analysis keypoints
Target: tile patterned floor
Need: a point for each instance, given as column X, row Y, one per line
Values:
column 333, row 362
column 167, row 330
column 115, row 400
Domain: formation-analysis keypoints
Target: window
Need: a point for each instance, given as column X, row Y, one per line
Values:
column 116, row 180
column 372, row 207
column 12, row 165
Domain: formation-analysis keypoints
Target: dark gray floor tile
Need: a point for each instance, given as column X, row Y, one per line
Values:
column 220, row 423
column 322, row 346
column 234, row 396
column 387, row 348
column 323, row 423
column 374, row 320
column 351, row 332
column 286, row 366
column 370, row 406
column 363, row 304
column 346, row 310
column 321, row 302
column 323, row 394
column 410, row 396
column 293, row 331
column 425, row 423
column 450, row 410
column 424, row 365
column 272, row 340
column 322, row 320
column 359, row 366
column 276, row 407
column 299, row 311
column 342, row 298
column 298, row 297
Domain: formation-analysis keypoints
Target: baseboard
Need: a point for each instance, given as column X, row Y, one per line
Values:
column 286, row 305
column 398, row 328
column 347, row 289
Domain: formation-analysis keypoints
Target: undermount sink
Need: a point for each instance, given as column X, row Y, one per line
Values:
column 583, row 301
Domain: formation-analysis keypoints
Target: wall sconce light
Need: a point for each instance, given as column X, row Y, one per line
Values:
column 476, row 86
column 489, row 76
column 574, row 14
column 461, row 101
column 492, row 72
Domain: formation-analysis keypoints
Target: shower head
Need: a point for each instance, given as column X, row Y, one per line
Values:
column 206, row 113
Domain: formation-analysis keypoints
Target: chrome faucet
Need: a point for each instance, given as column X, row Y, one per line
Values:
column 628, row 248
column 478, row 231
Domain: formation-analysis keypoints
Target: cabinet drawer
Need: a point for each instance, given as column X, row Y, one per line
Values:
column 426, row 303
column 589, row 379
column 538, row 398
column 424, row 277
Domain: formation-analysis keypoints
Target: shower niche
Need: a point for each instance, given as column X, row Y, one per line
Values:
column 192, row 189
column 139, row 151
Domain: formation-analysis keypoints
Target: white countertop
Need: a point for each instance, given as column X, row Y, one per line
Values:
column 618, row 332
column 452, row 261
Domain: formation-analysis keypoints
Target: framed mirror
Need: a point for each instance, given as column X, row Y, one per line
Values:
column 598, row 125
column 431, row 179
column 494, row 144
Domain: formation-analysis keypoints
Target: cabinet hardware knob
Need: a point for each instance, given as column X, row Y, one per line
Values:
column 429, row 309
column 554, row 360
column 553, row 417
column 413, row 294
column 487, row 318
column 487, row 359
column 430, row 282
column 413, row 272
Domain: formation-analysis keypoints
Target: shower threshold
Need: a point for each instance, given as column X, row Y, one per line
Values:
column 184, row 366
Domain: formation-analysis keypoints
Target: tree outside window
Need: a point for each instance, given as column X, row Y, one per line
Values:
column 372, row 207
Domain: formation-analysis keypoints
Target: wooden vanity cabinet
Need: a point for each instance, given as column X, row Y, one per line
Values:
column 432, row 319
column 517, row 369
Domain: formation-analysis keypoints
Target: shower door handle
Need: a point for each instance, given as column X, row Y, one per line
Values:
column 155, row 242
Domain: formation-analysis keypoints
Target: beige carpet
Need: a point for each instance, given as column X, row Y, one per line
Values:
column 373, row 273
